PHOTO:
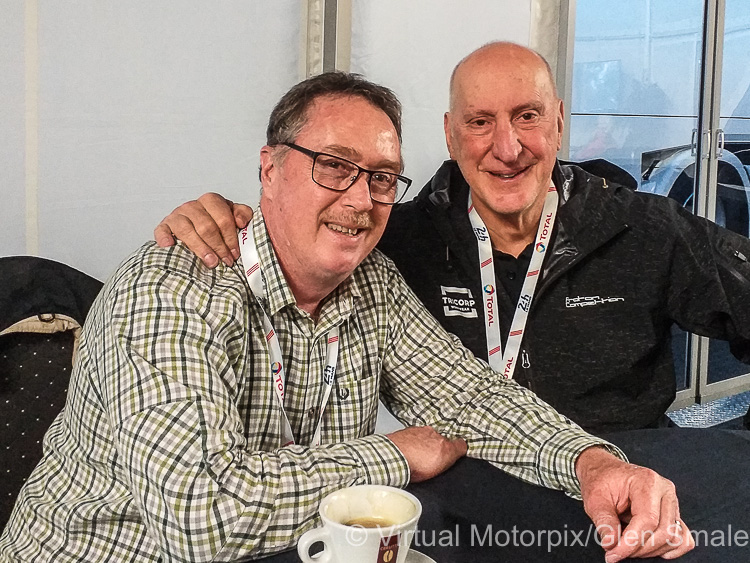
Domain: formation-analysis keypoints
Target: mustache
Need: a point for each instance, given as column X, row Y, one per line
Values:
column 361, row 220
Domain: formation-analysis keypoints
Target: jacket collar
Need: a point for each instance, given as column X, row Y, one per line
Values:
column 592, row 209
column 445, row 198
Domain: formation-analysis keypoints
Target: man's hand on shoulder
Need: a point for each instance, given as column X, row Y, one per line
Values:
column 617, row 494
column 208, row 227
column 428, row 453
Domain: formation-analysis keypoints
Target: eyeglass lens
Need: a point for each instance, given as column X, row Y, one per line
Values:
column 338, row 174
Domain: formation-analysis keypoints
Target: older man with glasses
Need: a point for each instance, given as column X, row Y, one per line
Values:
column 211, row 410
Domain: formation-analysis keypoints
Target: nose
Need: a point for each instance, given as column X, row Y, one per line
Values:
column 506, row 144
column 358, row 194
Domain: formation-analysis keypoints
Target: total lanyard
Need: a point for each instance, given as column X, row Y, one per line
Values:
column 249, row 252
column 505, row 364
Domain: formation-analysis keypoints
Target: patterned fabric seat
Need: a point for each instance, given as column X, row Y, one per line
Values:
column 42, row 307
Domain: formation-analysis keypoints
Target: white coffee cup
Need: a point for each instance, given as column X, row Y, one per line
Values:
column 347, row 515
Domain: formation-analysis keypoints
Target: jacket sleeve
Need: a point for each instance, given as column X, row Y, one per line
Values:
column 429, row 378
column 709, row 279
column 174, row 361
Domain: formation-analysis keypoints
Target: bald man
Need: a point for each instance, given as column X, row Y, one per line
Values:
column 568, row 282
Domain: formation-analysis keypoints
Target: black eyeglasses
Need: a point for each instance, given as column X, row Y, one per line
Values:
column 339, row 174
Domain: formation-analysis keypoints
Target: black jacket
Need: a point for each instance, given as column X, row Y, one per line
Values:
column 623, row 267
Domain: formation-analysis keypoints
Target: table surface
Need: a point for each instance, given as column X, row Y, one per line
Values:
column 475, row 513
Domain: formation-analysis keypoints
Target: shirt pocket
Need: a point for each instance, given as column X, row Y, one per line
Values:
column 356, row 387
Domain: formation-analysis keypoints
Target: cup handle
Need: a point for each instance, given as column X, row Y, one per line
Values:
column 309, row 538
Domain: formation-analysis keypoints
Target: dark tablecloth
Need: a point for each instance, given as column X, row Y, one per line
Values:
column 475, row 513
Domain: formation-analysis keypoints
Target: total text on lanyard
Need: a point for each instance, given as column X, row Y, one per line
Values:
column 505, row 363
column 251, row 262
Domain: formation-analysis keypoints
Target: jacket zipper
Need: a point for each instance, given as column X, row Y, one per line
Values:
column 529, row 375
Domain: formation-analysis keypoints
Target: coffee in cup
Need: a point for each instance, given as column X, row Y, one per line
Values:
column 370, row 522
column 364, row 523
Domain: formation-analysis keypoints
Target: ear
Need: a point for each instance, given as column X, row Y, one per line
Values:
column 268, row 168
column 448, row 135
column 560, row 123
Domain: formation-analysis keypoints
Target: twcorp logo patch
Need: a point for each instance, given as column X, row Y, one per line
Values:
column 458, row 302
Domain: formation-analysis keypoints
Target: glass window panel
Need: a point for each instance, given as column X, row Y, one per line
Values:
column 733, row 178
column 144, row 105
column 412, row 47
column 596, row 19
column 735, row 76
column 635, row 143
column 638, row 57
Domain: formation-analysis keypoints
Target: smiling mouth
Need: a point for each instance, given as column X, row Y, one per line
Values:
column 508, row 176
column 344, row 230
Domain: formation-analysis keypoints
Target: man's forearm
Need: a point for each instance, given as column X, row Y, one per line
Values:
column 235, row 504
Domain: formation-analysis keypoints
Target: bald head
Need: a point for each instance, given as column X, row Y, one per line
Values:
column 501, row 55
column 504, row 129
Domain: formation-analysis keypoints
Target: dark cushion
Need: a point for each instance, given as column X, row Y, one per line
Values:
column 34, row 374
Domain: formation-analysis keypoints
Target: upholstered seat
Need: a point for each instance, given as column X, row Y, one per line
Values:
column 42, row 307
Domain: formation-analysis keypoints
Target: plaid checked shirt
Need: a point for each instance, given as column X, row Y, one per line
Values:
column 168, row 446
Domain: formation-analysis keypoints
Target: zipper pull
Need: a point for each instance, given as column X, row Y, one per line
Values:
column 525, row 363
column 740, row 256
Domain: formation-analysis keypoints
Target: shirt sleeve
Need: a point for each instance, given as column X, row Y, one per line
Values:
column 170, row 380
column 431, row 379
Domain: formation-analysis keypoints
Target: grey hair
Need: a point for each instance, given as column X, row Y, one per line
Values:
column 290, row 114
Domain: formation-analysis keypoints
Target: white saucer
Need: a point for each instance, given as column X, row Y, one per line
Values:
column 416, row 557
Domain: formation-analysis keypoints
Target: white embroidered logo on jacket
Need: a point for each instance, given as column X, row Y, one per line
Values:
column 589, row 301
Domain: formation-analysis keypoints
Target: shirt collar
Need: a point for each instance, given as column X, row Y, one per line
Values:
column 278, row 292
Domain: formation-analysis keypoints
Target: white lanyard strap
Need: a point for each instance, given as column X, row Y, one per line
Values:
column 505, row 363
column 250, row 260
